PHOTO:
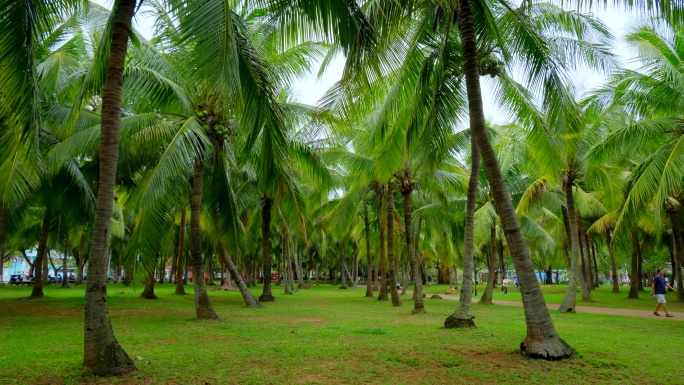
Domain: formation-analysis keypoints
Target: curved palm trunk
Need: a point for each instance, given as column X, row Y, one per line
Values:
column 103, row 355
column 570, row 300
column 41, row 255
column 203, row 306
column 267, row 204
column 542, row 340
column 180, row 287
column 148, row 293
column 634, row 272
column 391, row 263
column 418, row 303
column 613, row 265
column 491, row 265
column 462, row 317
column 247, row 295
column 369, row 267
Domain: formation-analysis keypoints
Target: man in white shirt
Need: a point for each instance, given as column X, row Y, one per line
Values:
column 504, row 285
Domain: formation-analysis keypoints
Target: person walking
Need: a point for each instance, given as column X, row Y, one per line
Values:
column 504, row 285
column 658, row 288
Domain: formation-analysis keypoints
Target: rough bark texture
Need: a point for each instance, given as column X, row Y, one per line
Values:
column 369, row 264
column 541, row 341
column 103, row 356
column 148, row 293
column 267, row 204
column 41, row 256
column 391, row 263
column 613, row 265
column 570, row 300
column 491, row 265
column 203, row 307
column 634, row 272
column 462, row 317
column 247, row 295
column 418, row 303
column 180, row 287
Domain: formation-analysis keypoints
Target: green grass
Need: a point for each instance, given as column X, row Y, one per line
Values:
column 601, row 297
column 323, row 336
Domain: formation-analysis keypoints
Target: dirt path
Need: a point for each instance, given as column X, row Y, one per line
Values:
column 678, row 316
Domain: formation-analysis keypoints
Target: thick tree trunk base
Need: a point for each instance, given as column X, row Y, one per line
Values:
column 266, row 298
column 180, row 289
column 418, row 311
column 547, row 349
column 206, row 312
column 343, row 288
column 113, row 361
column 616, row 289
column 566, row 309
column 453, row 322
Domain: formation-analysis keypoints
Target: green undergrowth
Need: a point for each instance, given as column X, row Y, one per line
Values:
column 601, row 297
column 322, row 336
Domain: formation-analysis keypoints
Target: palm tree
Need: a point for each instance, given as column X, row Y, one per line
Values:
column 99, row 335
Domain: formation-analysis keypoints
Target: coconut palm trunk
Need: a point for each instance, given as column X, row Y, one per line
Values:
column 298, row 264
column 247, row 295
column 267, row 205
column 634, row 272
column 418, row 303
column 613, row 265
column 570, row 300
column 148, row 293
column 369, row 264
column 103, row 356
column 676, row 239
column 203, row 306
column 541, row 340
column 343, row 272
column 41, row 256
column 391, row 263
column 65, row 257
column 383, row 294
column 462, row 317
column 180, row 287
column 585, row 267
column 586, row 258
column 491, row 265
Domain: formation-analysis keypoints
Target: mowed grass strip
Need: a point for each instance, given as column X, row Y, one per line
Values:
column 322, row 336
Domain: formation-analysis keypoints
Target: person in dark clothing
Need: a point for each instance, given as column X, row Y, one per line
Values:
column 658, row 289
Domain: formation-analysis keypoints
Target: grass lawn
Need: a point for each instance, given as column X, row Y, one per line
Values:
column 601, row 297
column 323, row 336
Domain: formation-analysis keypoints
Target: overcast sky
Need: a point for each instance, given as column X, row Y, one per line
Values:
column 310, row 89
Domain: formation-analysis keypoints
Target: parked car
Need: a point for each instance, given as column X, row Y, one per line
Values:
column 16, row 279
